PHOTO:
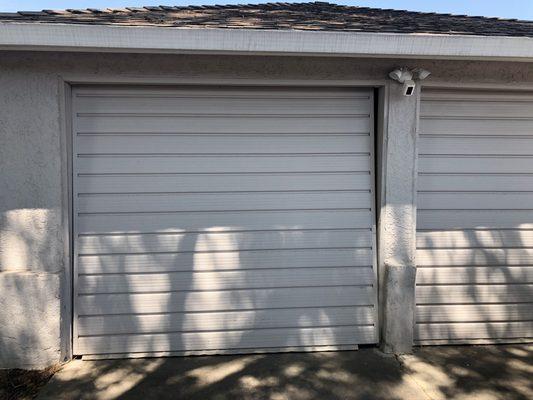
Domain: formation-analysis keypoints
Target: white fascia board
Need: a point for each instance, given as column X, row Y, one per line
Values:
column 105, row 38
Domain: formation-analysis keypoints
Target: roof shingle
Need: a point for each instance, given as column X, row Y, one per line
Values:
column 286, row 16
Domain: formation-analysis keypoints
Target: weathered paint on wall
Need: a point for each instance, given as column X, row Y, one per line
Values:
column 32, row 257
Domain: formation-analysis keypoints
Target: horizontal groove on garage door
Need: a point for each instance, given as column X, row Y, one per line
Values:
column 226, row 320
column 171, row 202
column 236, row 183
column 469, row 294
column 474, row 275
column 228, row 163
column 472, row 164
column 475, row 201
column 225, row 300
column 258, row 338
column 222, row 241
column 235, row 103
column 223, row 218
column 276, row 123
column 229, row 260
column 476, row 219
column 475, row 182
column 220, row 144
column 474, row 330
column 225, row 221
column 224, row 280
column 475, row 216
column 473, row 257
column 475, row 238
column 474, row 313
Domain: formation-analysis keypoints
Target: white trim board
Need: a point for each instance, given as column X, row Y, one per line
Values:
column 103, row 38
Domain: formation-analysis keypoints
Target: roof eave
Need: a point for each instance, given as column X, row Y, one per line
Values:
column 135, row 39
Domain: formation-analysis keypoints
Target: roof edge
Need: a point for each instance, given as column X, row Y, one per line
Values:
column 131, row 39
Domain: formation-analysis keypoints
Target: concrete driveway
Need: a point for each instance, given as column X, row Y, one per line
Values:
column 446, row 372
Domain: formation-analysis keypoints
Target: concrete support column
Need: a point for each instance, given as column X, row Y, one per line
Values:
column 32, row 241
column 397, row 223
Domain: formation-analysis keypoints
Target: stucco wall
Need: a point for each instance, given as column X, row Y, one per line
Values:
column 31, row 245
column 32, row 248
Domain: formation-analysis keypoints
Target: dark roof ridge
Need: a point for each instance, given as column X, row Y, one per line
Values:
column 303, row 16
column 169, row 8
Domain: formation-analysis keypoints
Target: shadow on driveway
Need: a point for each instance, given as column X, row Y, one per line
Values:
column 465, row 372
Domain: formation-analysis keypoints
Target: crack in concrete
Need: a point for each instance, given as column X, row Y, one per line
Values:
column 411, row 376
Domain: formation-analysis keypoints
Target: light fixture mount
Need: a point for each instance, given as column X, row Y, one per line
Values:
column 407, row 78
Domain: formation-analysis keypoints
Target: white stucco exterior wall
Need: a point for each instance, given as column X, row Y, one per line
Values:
column 31, row 243
column 33, row 259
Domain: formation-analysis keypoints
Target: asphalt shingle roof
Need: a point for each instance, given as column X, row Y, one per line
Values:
column 286, row 16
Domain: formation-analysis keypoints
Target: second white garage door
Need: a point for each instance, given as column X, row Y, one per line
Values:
column 222, row 220
column 475, row 217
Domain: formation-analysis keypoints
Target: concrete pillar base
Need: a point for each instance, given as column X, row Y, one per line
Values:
column 398, row 310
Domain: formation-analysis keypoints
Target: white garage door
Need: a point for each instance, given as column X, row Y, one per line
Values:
column 475, row 217
column 223, row 219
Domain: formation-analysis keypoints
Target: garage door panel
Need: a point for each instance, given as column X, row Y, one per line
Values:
column 220, row 144
column 203, row 122
column 124, row 303
column 474, row 182
column 475, row 164
column 224, row 280
column 203, row 341
column 472, row 331
column 206, row 183
column 259, row 259
column 224, row 221
column 221, row 164
column 473, row 294
column 469, row 257
column 474, row 126
column 474, row 275
column 474, row 313
column 475, row 201
column 484, row 109
column 172, row 202
column 465, row 238
column 484, row 97
column 96, row 94
column 472, row 219
column 230, row 320
column 466, row 144
column 236, row 103
column 222, row 241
